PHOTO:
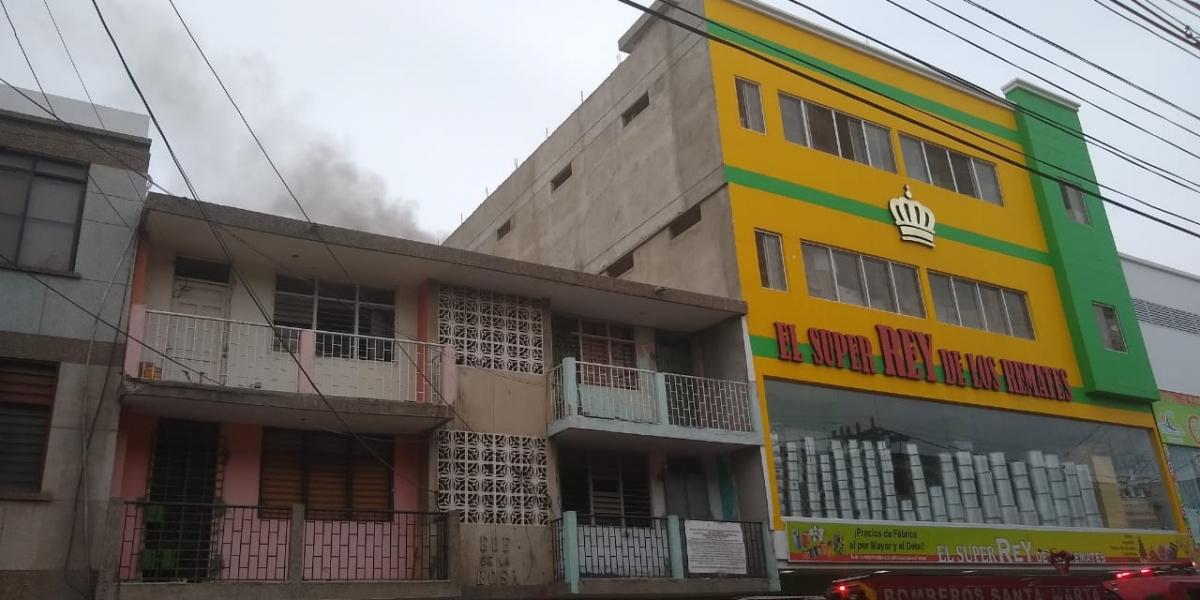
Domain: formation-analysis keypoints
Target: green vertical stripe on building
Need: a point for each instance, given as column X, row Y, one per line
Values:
column 812, row 63
column 878, row 213
column 767, row 347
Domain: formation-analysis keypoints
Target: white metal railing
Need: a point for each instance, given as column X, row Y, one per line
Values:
column 608, row 392
column 708, row 403
column 189, row 348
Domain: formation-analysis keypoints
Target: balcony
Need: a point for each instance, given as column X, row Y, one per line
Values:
column 592, row 400
column 167, row 549
column 596, row 555
column 195, row 356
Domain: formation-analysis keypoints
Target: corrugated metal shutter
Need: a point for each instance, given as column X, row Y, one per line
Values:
column 372, row 482
column 26, row 399
column 325, row 471
column 328, row 470
column 281, row 475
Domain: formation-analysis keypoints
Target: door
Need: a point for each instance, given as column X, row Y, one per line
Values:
column 686, row 487
column 200, row 344
column 179, row 519
column 673, row 355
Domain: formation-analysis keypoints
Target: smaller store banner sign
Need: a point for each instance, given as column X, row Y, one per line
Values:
column 1178, row 424
column 825, row 541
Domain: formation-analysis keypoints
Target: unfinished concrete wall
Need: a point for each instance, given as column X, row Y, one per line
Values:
column 628, row 177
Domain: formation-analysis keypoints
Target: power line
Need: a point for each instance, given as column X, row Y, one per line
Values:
column 1162, row 11
column 1156, row 34
column 74, row 67
column 1189, row 10
column 1082, row 59
column 23, row 52
column 1111, row 149
column 890, row 111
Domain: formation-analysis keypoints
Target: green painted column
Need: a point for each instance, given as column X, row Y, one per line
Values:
column 570, row 549
column 675, row 546
column 1084, row 256
column 769, row 556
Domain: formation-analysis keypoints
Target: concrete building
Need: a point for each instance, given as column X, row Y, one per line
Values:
column 69, row 208
column 1167, row 302
column 942, row 340
column 326, row 413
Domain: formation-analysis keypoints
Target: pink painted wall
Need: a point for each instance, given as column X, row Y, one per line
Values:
column 253, row 546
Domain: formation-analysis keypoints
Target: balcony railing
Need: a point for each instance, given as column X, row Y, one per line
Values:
column 173, row 542
column 195, row 349
column 587, row 547
column 640, row 396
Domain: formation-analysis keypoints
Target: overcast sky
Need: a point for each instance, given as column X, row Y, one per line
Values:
column 401, row 114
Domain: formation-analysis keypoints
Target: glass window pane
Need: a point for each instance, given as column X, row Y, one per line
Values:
column 851, row 139
column 1081, row 465
column 879, row 284
column 770, row 260
column 47, row 245
column 989, row 184
column 968, row 304
column 54, row 200
column 939, row 166
column 960, row 164
column 1074, row 203
column 849, row 278
column 16, row 161
column 943, row 299
column 908, row 290
column 344, row 291
column 993, row 309
column 69, row 171
column 821, row 127
column 13, row 189
column 1110, row 327
column 376, row 295
column 750, row 105
column 792, row 111
column 879, row 147
column 818, row 272
column 914, row 159
column 10, row 235
column 1018, row 314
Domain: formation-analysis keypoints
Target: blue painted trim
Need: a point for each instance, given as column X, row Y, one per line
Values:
column 675, row 546
column 570, row 547
column 769, row 556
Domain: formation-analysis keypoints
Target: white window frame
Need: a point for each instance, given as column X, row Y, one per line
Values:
column 807, row 143
column 1076, row 207
column 978, row 298
column 927, row 176
column 782, row 261
column 1104, row 327
column 743, row 107
column 862, row 273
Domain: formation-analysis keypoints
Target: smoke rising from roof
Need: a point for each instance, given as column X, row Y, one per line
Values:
column 218, row 153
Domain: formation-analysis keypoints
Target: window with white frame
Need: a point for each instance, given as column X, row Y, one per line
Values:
column 837, row 133
column 605, row 488
column 750, row 109
column 1110, row 327
column 351, row 321
column 852, row 278
column 41, row 204
column 979, row 305
column 491, row 330
column 1074, row 202
column 955, row 171
column 771, row 271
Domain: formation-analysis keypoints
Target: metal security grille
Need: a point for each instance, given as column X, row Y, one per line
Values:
column 1165, row 316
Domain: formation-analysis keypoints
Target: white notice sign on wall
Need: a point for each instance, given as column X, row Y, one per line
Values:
column 715, row 547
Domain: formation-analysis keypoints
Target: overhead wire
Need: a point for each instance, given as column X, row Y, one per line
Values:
column 1080, row 58
column 895, row 113
column 1157, row 34
column 1179, row 180
column 1191, row 11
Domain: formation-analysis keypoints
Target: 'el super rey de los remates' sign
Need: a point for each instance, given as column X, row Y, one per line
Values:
column 911, row 354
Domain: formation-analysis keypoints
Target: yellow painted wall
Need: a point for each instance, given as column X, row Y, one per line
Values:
column 795, row 220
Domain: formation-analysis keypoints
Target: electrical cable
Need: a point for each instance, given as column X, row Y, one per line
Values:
column 1179, row 180
column 1185, row 8
column 897, row 114
column 20, row 45
column 1141, row 25
column 1080, row 58
column 1164, row 12
column 74, row 67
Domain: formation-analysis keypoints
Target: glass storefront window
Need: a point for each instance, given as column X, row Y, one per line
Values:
column 843, row 454
column 1185, row 462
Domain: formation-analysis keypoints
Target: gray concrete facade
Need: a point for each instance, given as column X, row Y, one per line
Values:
column 1167, row 303
column 631, row 176
column 51, row 545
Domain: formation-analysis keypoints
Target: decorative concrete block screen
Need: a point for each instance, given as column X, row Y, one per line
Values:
column 490, row 330
column 493, row 478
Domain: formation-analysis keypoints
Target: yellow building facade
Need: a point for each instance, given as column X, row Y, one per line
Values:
column 887, row 220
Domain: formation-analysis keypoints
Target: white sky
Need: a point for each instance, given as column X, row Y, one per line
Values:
column 425, row 105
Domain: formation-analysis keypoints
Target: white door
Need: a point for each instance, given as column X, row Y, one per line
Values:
column 199, row 339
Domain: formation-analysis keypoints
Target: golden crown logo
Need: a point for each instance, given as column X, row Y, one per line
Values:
column 915, row 220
